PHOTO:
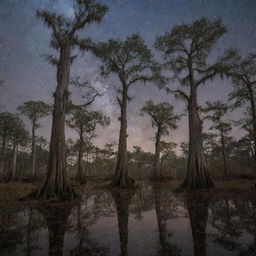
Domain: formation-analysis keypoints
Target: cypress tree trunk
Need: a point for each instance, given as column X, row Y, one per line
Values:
column 197, row 176
column 2, row 167
column 33, row 160
column 253, row 120
column 4, row 140
column 56, row 184
column 12, row 173
column 224, row 154
column 158, row 172
column 14, row 159
column 80, row 175
column 121, row 177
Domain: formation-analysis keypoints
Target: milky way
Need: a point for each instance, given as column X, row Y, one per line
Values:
column 24, row 40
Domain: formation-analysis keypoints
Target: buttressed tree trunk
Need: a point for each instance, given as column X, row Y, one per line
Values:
column 188, row 47
column 121, row 177
column 197, row 174
column 57, row 184
column 158, row 172
column 64, row 38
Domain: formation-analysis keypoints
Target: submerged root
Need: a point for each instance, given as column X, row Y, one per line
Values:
column 123, row 183
column 51, row 195
column 121, row 179
column 197, row 176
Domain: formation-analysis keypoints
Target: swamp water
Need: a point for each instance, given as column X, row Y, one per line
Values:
column 148, row 222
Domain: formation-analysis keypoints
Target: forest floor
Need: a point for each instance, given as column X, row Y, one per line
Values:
column 11, row 192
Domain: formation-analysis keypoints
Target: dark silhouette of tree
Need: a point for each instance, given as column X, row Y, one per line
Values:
column 247, row 212
column 169, row 157
column 216, row 111
column 245, row 142
column 210, row 145
column 186, row 49
column 6, row 120
column 18, row 135
column 163, row 213
column 198, row 213
column 56, row 217
column 243, row 73
column 34, row 110
column 164, row 119
column 110, row 150
column 85, row 122
column 64, row 39
column 34, row 223
column 228, row 223
column 122, row 200
column 132, row 62
column 233, row 218
column 87, row 245
column 12, row 229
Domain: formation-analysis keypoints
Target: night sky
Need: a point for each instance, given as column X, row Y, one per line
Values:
column 27, row 76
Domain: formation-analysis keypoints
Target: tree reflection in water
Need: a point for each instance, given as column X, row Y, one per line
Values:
column 197, row 205
column 247, row 209
column 34, row 224
column 86, row 245
column 56, row 217
column 227, row 221
column 122, row 200
column 231, row 228
column 11, row 231
column 62, row 219
column 233, row 218
column 166, row 208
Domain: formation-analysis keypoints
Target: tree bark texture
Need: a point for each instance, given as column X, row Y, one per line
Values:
column 251, row 95
column 14, row 159
column 197, row 176
column 223, row 150
column 121, row 177
column 158, row 172
column 56, row 184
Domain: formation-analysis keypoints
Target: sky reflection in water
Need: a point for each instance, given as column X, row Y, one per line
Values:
column 151, row 221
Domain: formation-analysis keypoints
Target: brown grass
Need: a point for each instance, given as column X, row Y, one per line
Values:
column 11, row 192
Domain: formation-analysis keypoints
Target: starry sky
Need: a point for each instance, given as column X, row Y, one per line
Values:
column 24, row 40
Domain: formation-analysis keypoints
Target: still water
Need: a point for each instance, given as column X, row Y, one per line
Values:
column 148, row 222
